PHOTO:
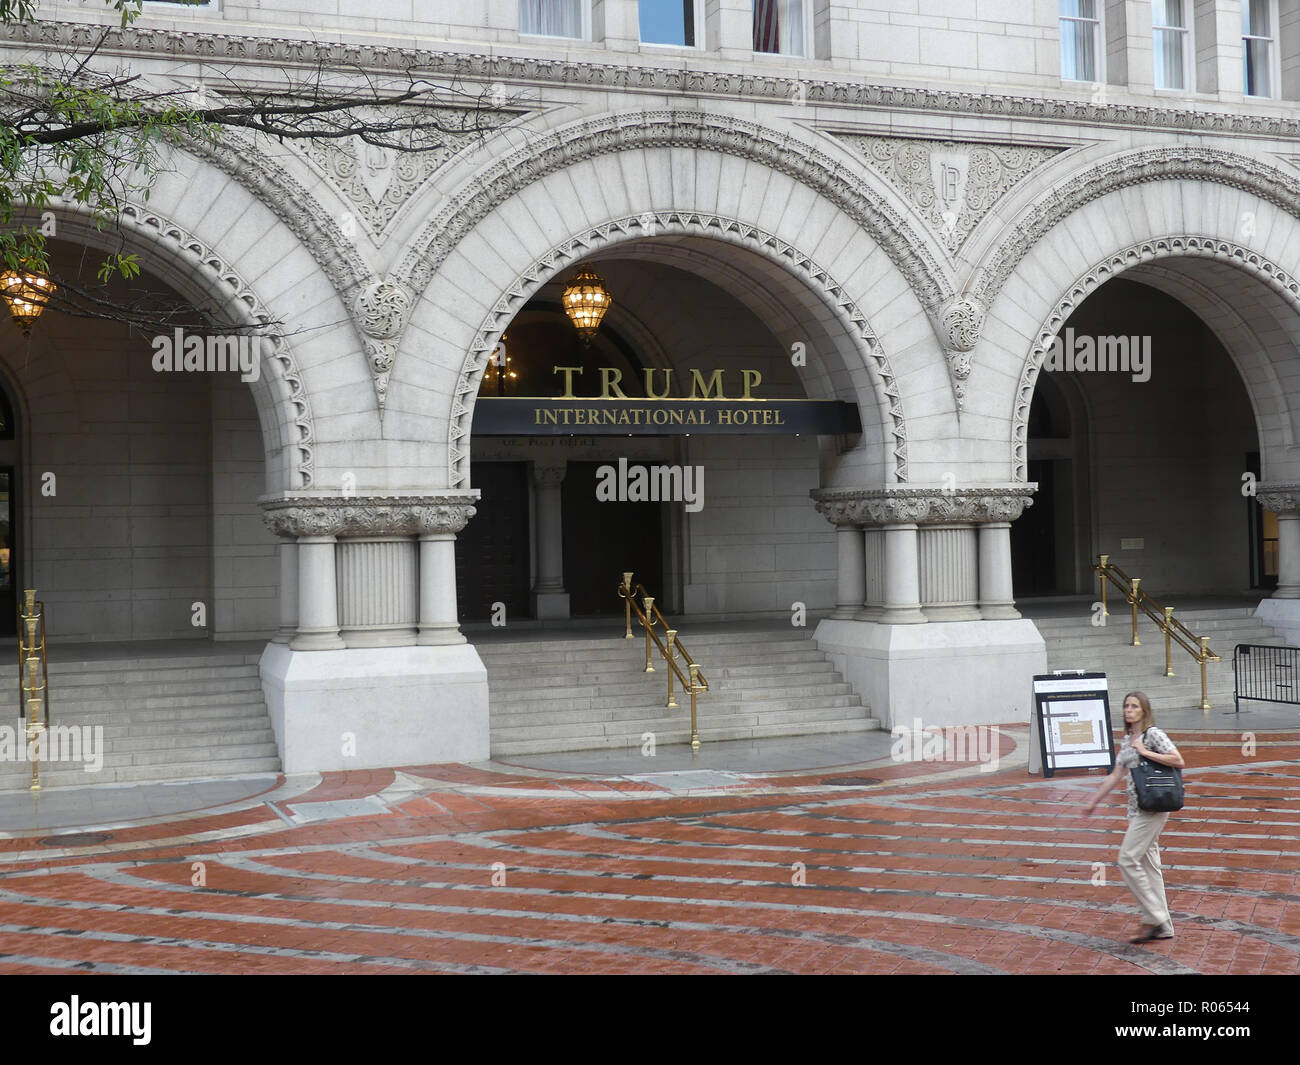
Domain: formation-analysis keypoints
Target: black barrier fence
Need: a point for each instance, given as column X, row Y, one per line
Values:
column 1266, row 673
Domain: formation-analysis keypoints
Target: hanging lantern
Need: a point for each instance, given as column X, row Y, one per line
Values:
column 26, row 295
column 498, row 374
column 585, row 302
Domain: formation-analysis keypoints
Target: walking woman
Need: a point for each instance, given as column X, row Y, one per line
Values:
column 1139, row 854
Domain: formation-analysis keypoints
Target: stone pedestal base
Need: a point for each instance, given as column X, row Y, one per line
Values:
column 1282, row 615
column 398, row 705
column 550, row 605
column 945, row 673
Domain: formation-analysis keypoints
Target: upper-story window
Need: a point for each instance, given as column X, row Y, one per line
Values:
column 1258, row 30
column 552, row 18
column 1171, row 41
column 779, row 26
column 1080, row 34
column 669, row 21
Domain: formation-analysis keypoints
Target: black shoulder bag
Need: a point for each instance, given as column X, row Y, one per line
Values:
column 1159, row 788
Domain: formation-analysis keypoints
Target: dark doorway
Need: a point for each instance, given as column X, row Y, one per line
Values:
column 1033, row 537
column 492, row 551
column 602, row 540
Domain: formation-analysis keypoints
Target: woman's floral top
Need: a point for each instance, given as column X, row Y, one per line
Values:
column 1128, row 757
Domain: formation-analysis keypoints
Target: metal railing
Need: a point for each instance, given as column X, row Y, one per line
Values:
column 1174, row 630
column 1265, row 673
column 649, row 616
column 33, row 679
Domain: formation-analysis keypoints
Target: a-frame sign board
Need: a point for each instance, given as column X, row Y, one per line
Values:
column 1071, row 727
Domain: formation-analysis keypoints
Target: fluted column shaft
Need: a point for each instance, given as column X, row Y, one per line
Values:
column 873, row 540
column 949, row 572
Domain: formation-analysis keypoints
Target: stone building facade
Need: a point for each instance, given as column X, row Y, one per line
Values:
column 899, row 204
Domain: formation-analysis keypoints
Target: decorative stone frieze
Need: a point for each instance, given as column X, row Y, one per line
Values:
column 923, row 506
column 176, row 44
column 369, row 515
column 952, row 184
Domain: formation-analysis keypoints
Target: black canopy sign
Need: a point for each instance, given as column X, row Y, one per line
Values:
column 521, row 416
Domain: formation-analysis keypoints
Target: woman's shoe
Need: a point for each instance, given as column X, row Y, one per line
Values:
column 1155, row 931
column 1165, row 931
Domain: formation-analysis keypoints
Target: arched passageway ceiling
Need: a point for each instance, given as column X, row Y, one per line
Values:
column 1223, row 283
column 791, row 275
column 202, row 276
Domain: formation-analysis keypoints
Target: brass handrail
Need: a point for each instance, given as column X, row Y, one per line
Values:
column 1173, row 629
column 693, row 680
column 33, row 678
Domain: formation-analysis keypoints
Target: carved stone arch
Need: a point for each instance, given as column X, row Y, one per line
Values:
column 1110, row 175
column 197, row 269
column 1147, row 251
column 669, row 223
column 557, row 149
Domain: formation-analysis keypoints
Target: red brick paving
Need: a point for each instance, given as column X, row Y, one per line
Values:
column 985, row 873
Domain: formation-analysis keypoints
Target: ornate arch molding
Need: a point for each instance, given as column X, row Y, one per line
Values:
column 1136, row 168
column 224, row 277
column 1135, row 255
column 636, row 227
column 630, row 131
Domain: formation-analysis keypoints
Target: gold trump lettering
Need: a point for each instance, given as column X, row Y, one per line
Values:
column 612, row 387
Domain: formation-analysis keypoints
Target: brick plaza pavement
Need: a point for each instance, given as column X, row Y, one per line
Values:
column 938, row 868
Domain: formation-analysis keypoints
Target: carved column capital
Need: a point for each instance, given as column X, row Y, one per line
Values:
column 352, row 516
column 923, row 506
column 1279, row 497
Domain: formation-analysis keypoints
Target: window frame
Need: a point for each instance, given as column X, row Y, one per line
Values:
column 1189, row 49
column 1274, row 54
column 698, row 46
column 585, row 9
column 1098, row 44
column 808, row 25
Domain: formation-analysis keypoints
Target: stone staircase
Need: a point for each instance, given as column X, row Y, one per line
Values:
column 165, row 717
column 582, row 694
column 1073, row 643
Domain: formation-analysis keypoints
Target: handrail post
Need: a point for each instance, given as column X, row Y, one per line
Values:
column 627, row 602
column 670, row 655
column 1133, row 597
column 1169, row 618
column 695, row 686
column 1102, row 562
column 648, row 621
column 1205, row 654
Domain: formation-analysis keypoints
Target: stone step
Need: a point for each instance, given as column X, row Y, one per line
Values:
column 524, row 679
column 593, row 703
column 657, row 682
column 656, row 711
column 714, row 734
column 503, row 650
column 114, row 667
column 566, row 662
column 129, row 774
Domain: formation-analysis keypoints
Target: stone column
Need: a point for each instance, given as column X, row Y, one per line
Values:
column 949, row 572
column 997, row 601
column 438, row 524
column 902, row 604
column 550, row 600
column 1284, row 501
column 852, row 571
column 873, row 539
column 288, row 591
column 318, row 604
